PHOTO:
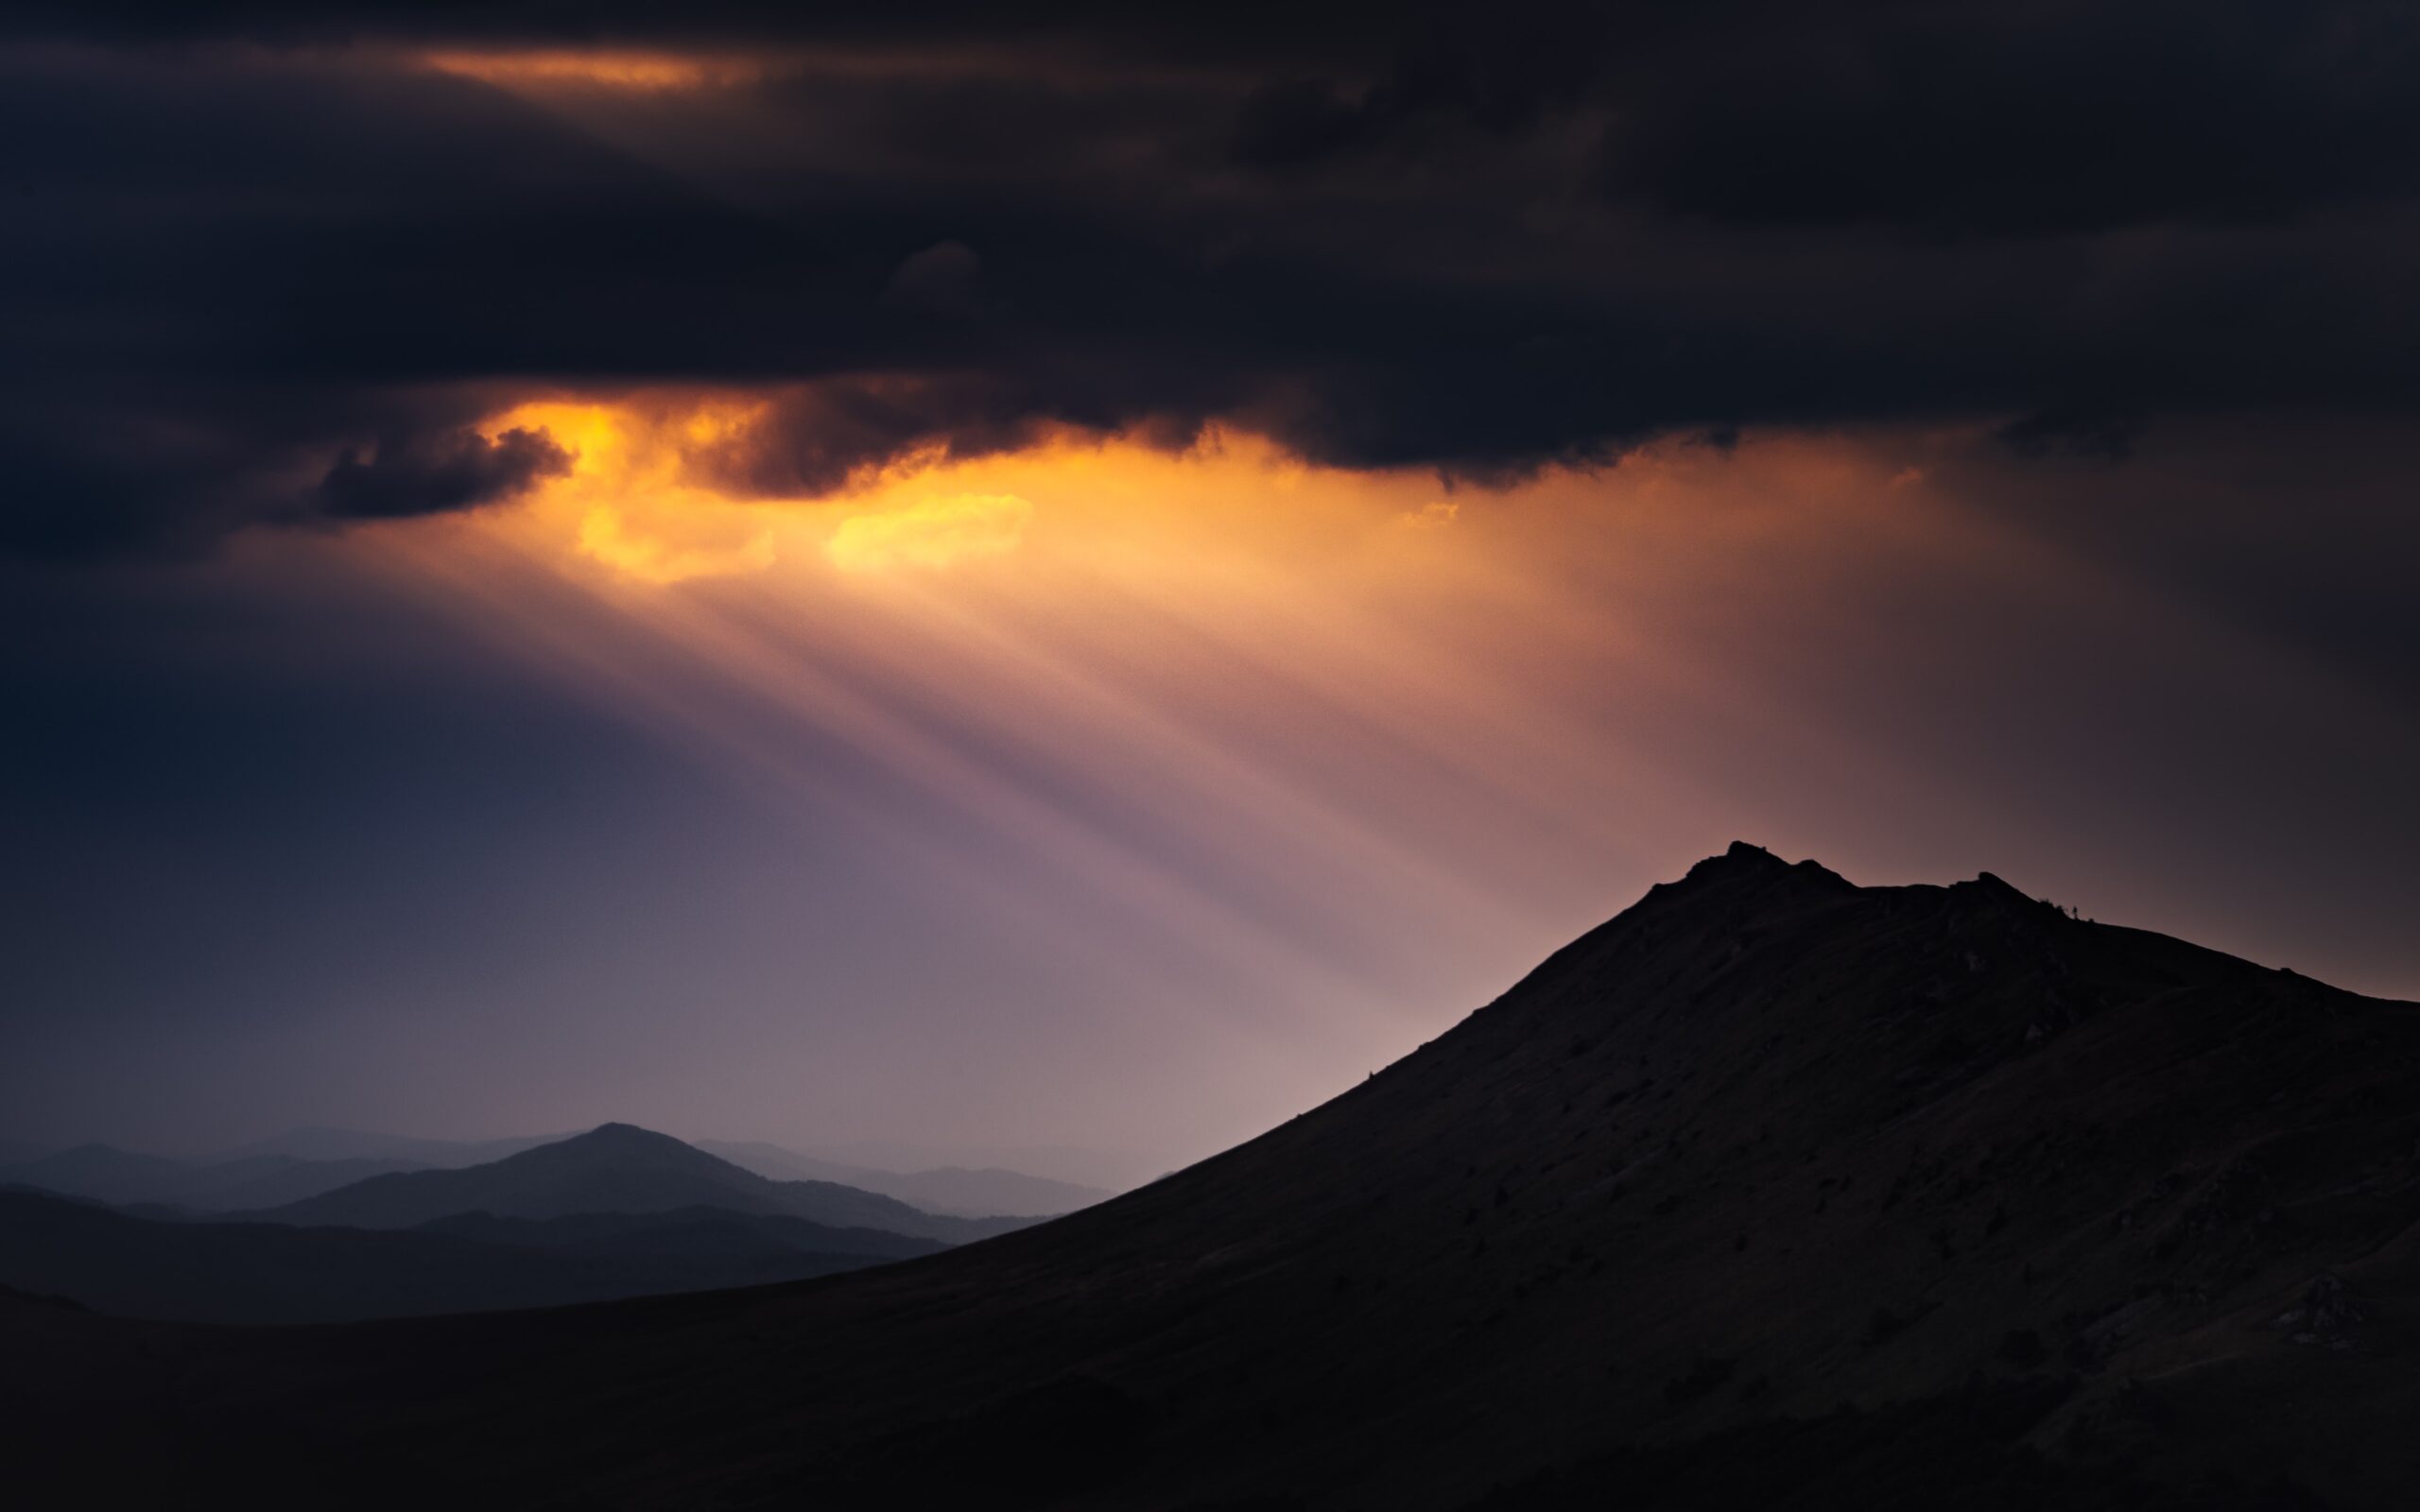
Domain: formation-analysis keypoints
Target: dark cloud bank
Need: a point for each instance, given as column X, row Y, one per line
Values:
column 264, row 265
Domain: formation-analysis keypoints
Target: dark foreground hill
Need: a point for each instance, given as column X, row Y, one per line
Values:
column 618, row 1168
column 1772, row 1191
column 236, row 1272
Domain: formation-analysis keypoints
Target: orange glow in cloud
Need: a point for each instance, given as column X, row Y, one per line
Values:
column 649, row 500
column 636, row 70
column 629, row 502
column 932, row 532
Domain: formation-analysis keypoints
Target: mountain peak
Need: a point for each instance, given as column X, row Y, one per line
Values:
column 1742, row 862
column 626, row 1141
column 1741, row 856
column 1991, row 884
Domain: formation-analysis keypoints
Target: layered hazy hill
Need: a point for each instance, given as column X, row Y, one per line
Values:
column 106, row 1173
column 619, row 1211
column 267, row 1174
column 406, row 1151
column 964, row 1192
column 1773, row 1190
column 305, row 1163
column 235, row 1272
column 618, row 1168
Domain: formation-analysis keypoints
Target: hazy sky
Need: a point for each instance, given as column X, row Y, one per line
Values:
column 1085, row 584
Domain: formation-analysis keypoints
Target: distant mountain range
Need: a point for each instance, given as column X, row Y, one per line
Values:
column 618, row 1168
column 272, row 1273
column 122, row 1178
column 1772, row 1191
column 617, row 1212
column 406, row 1151
column 303, row 1164
column 953, row 1190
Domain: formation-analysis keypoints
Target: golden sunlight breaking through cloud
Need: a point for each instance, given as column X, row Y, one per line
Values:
column 630, row 501
column 1216, row 693
column 652, row 496
column 932, row 532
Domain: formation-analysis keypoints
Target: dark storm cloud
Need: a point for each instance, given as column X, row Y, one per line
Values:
column 426, row 474
column 1983, row 121
column 2070, row 433
column 1497, row 80
column 253, row 253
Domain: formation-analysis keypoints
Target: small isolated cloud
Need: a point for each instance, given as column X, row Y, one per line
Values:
column 1431, row 516
column 931, row 533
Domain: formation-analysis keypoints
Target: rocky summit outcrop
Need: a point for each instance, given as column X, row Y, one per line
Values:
column 1773, row 1190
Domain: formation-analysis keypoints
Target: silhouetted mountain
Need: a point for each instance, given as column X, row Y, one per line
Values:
column 1774, row 1190
column 952, row 1190
column 403, row 1151
column 271, row 1273
column 618, row 1168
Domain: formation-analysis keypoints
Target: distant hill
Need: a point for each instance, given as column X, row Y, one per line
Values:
column 303, row 1164
column 1772, row 1191
column 1107, row 1170
column 618, row 1168
column 276, row 1186
column 104, row 1174
column 683, row 1232
column 403, row 1152
column 271, row 1273
column 951, row 1190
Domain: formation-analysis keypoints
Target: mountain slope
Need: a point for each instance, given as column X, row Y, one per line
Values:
column 275, row 1185
column 1773, row 1191
column 960, row 1191
column 615, row 1168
